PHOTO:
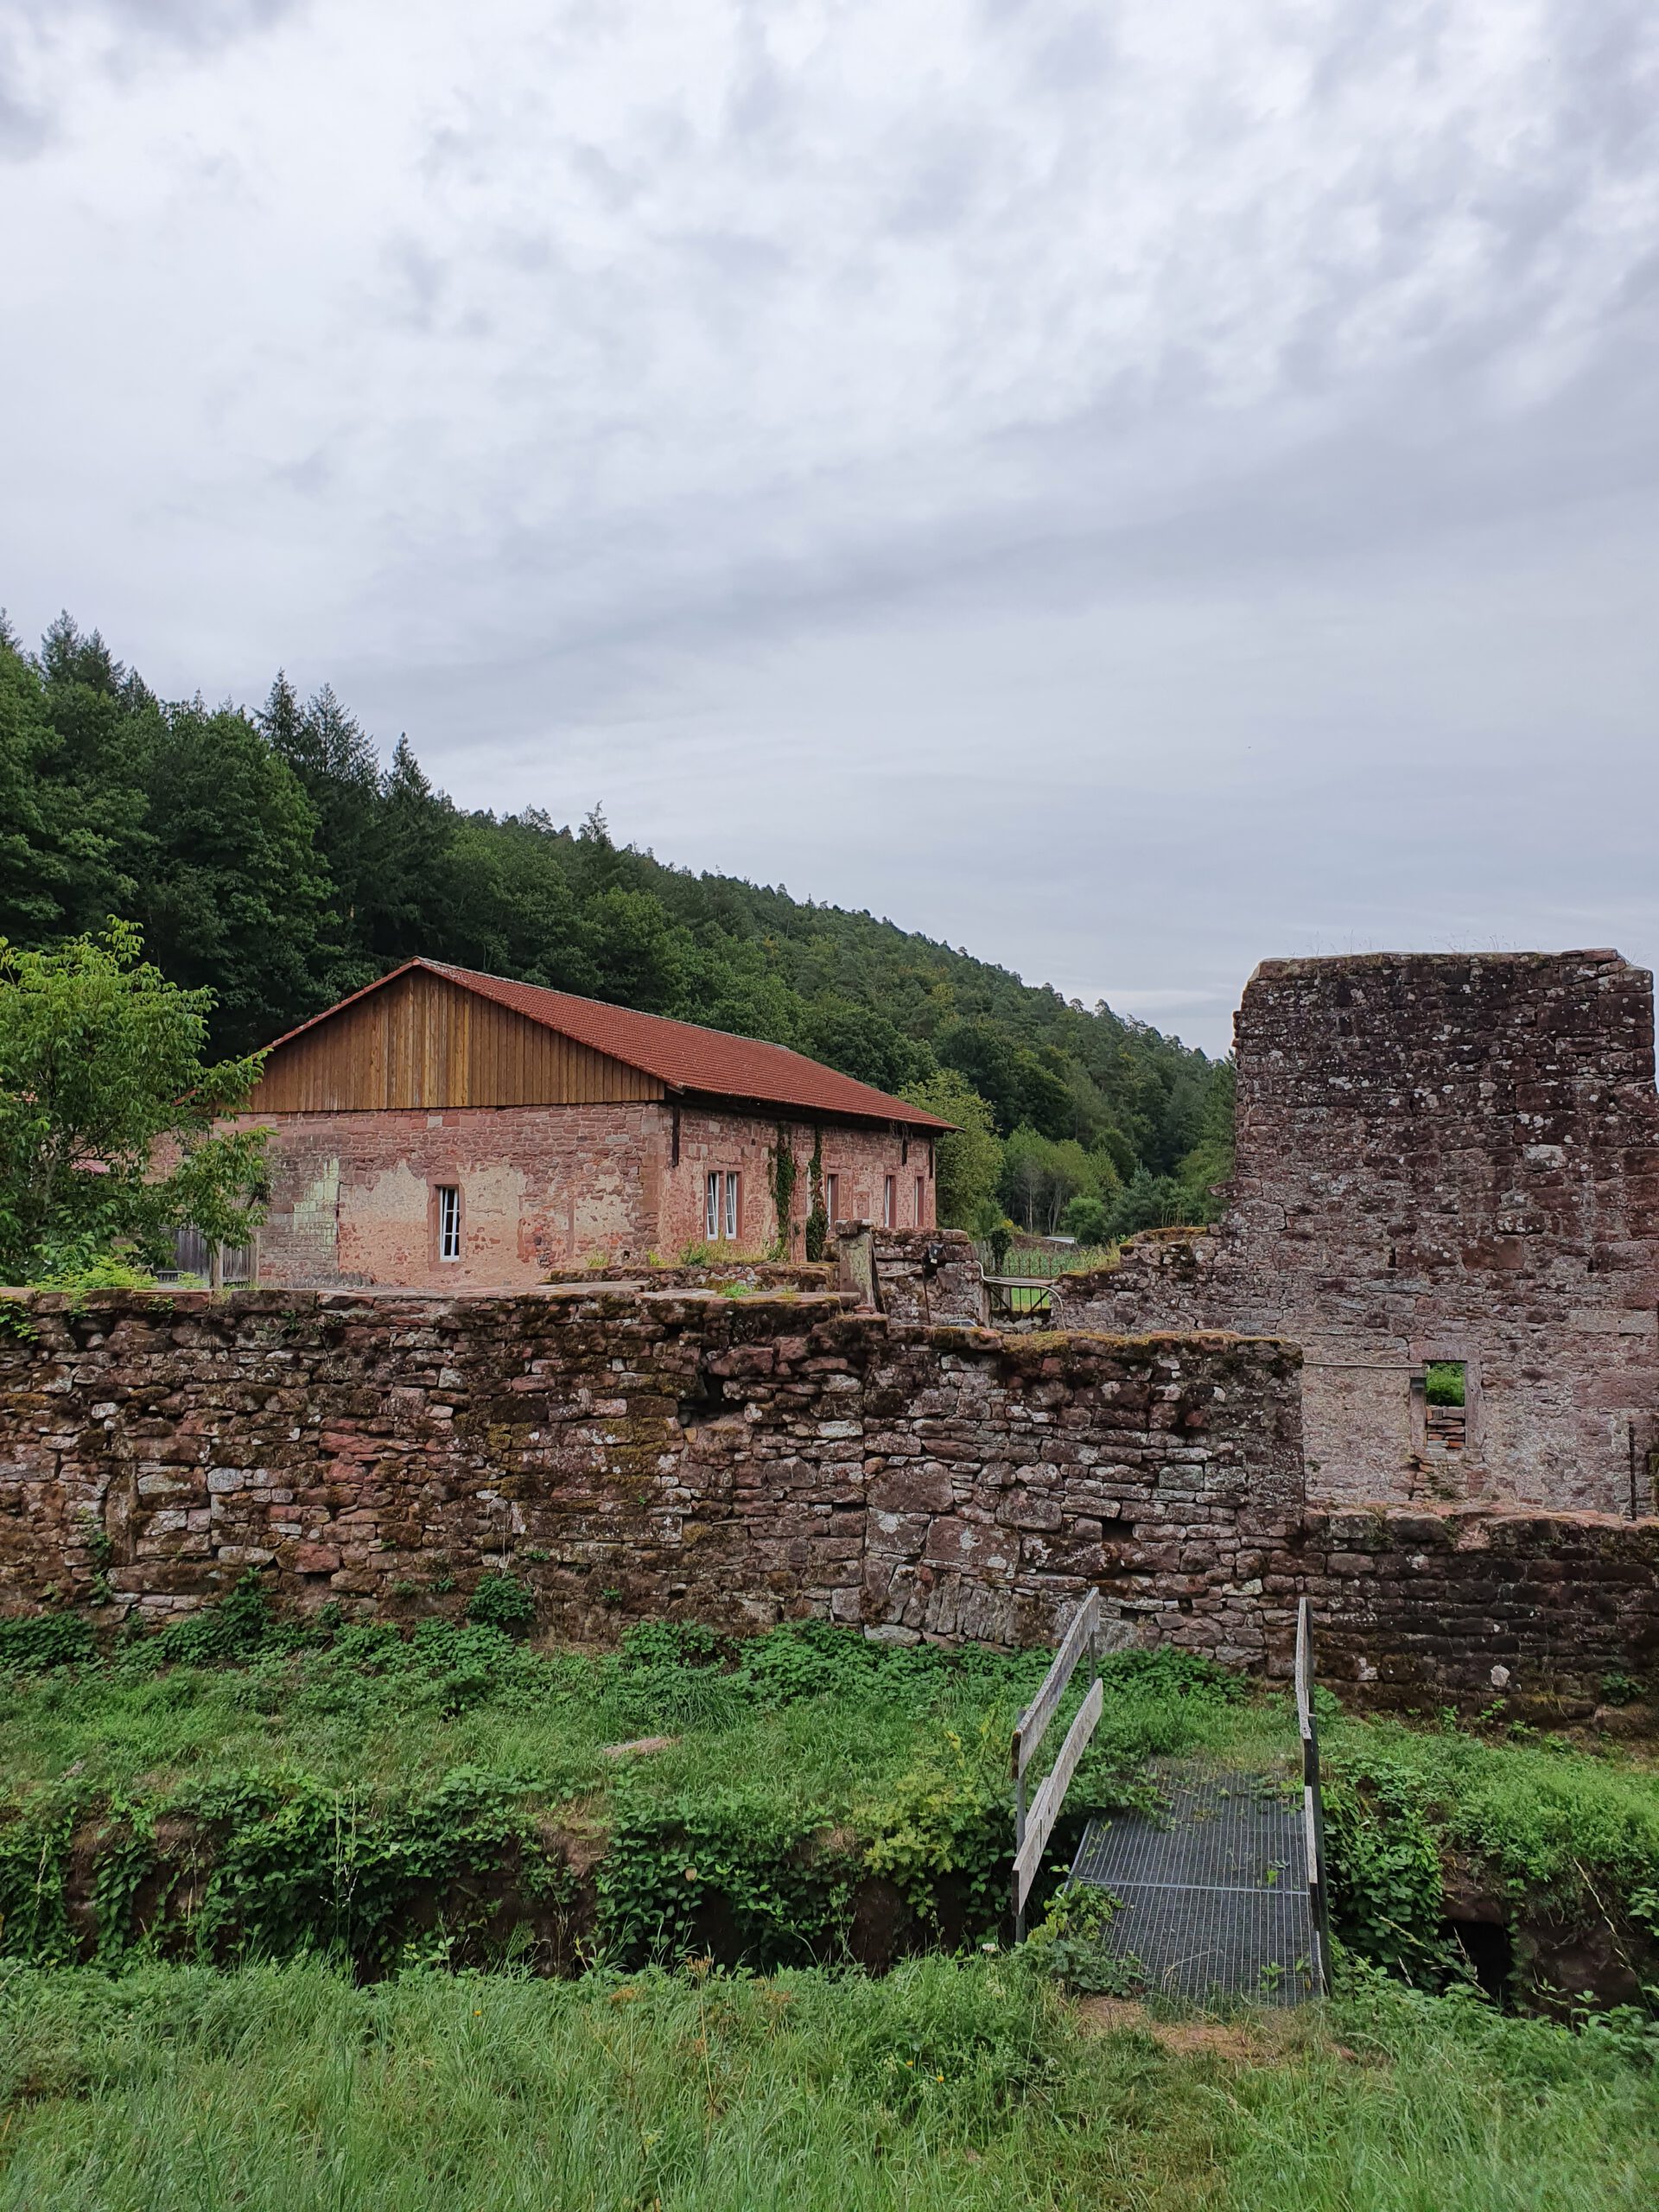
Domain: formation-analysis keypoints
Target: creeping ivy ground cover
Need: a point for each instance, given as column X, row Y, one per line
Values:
column 337, row 1788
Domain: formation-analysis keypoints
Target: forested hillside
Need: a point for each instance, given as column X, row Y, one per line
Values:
column 272, row 857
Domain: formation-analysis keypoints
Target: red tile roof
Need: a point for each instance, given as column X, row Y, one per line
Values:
column 679, row 1053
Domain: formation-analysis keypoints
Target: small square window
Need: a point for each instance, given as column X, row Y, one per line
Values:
column 448, row 1196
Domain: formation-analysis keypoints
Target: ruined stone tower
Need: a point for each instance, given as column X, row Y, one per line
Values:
column 1446, row 1160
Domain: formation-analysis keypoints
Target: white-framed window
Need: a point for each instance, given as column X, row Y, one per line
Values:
column 921, row 1203
column 721, row 1206
column 887, row 1202
column 449, row 1198
column 831, row 1198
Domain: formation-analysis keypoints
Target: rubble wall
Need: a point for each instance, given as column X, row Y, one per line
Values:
column 638, row 1453
column 633, row 1454
column 1439, row 1157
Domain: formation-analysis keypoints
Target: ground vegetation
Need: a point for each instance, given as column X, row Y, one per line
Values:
column 324, row 2014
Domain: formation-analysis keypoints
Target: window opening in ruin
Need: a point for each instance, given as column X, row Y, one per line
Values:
column 886, row 1202
column 1445, row 1410
column 449, row 1221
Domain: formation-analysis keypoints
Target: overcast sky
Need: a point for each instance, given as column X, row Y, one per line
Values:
column 1130, row 489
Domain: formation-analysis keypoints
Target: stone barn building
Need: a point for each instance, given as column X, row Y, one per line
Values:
column 444, row 1128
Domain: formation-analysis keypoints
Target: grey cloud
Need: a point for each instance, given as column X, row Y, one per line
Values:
column 132, row 28
column 1198, row 462
column 24, row 128
column 56, row 44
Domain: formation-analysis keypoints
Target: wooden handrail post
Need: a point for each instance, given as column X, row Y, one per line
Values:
column 1034, row 1823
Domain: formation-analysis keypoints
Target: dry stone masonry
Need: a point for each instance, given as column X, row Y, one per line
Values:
column 1439, row 1157
column 1445, row 1159
column 633, row 1452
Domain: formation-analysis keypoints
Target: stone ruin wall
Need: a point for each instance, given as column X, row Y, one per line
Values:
column 1438, row 1157
column 634, row 1453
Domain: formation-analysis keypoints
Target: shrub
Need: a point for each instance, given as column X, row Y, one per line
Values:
column 31, row 1643
column 1086, row 1219
column 502, row 1601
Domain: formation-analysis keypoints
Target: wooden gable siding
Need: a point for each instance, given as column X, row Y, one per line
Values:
column 425, row 1042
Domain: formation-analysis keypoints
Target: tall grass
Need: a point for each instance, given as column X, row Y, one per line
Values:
column 948, row 2085
column 963, row 2083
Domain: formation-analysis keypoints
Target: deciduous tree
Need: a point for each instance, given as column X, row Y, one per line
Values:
column 107, row 1108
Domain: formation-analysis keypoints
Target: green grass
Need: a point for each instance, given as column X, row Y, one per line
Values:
column 824, row 1716
column 954, row 2085
column 345, row 1775
column 323, row 1763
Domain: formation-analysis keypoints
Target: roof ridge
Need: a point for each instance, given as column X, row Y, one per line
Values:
column 453, row 969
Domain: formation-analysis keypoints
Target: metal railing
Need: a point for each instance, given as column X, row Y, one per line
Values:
column 1034, row 1825
column 1030, row 1262
column 1312, row 1802
column 1017, row 1298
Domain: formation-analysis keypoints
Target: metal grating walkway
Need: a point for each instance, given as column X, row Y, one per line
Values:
column 1213, row 1888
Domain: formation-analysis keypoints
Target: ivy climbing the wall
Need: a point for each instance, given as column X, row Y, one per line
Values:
column 782, row 1174
column 817, row 1219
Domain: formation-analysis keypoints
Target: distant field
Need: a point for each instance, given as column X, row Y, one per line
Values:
column 280, row 1912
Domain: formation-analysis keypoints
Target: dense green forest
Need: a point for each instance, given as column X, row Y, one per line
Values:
column 273, row 857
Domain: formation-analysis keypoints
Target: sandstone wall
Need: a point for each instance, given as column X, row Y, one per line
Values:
column 630, row 1452
column 1439, row 1157
column 728, row 1141
column 928, row 1276
column 1538, row 1612
column 544, row 1187
column 352, row 1196
column 633, row 1453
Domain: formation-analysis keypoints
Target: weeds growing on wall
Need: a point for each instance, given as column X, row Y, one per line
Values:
column 502, row 1601
column 782, row 1172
